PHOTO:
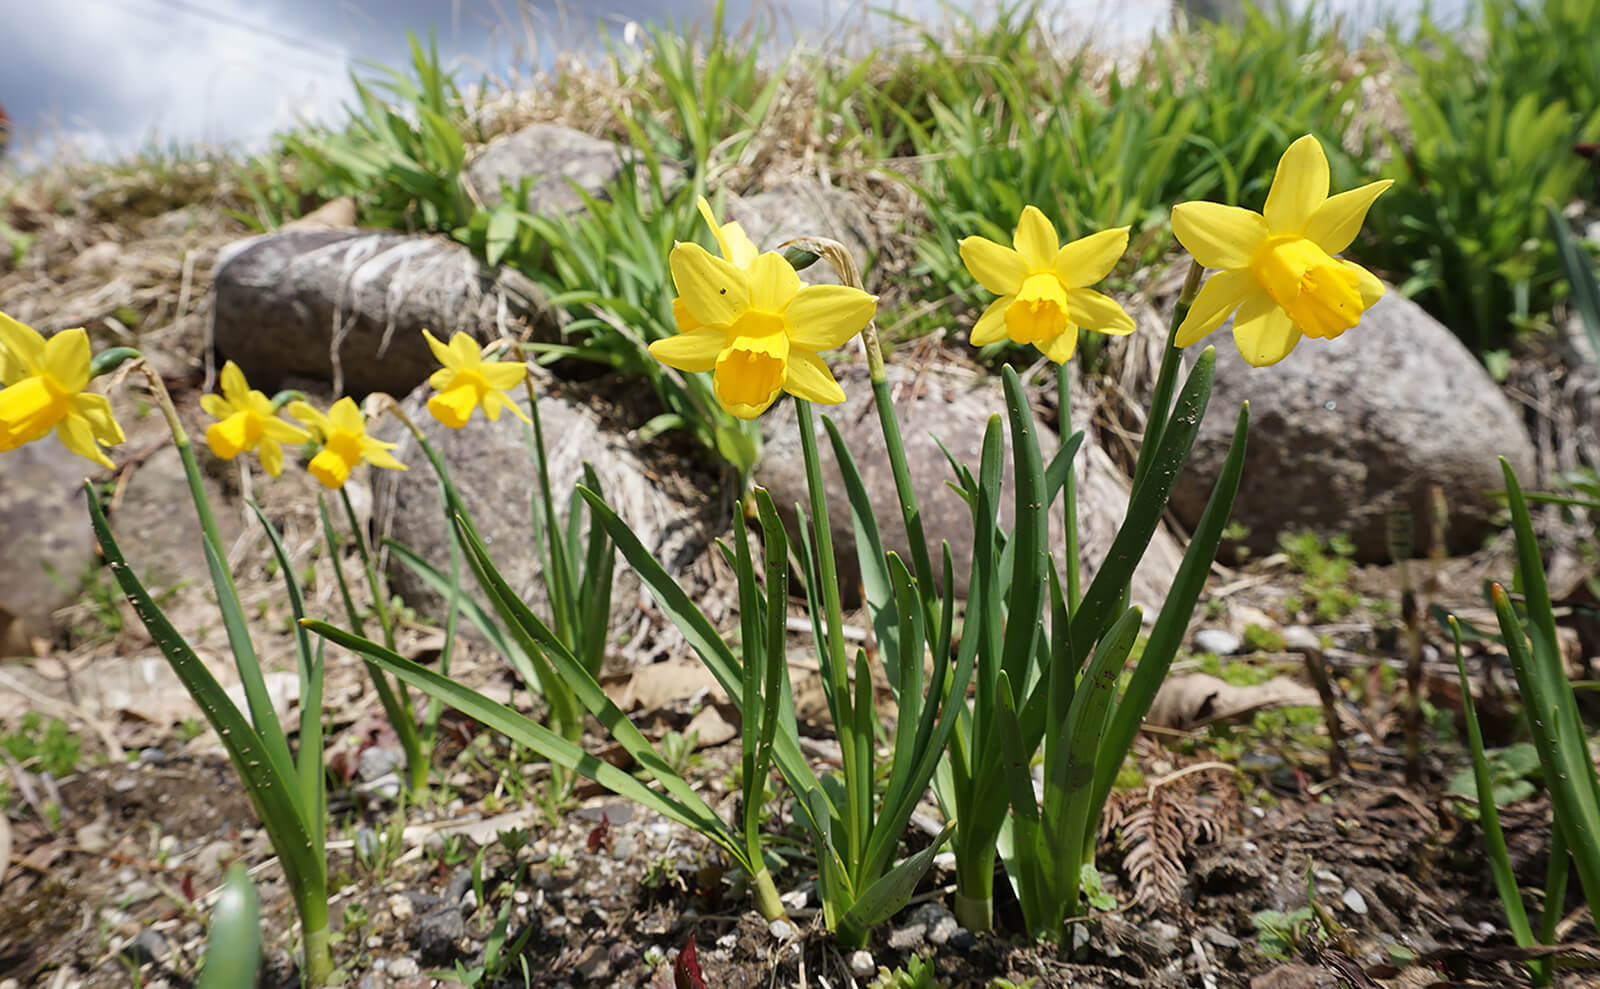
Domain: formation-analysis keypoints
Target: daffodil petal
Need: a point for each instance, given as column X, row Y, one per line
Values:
column 1367, row 283
column 695, row 351
column 24, row 342
column 1298, row 188
column 442, row 378
column 1263, row 332
column 1035, row 239
column 1099, row 312
column 809, row 378
column 234, row 386
column 76, row 436
column 96, row 411
column 773, row 282
column 712, row 290
column 1218, row 298
column 1218, row 236
column 465, row 350
column 1063, row 346
column 66, row 359
column 309, row 415
column 996, row 267
column 1089, row 259
column 1334, row 225
column 738, row 248
column 823, row 317
column 216, row 406
column 276, row 429
column 377, row 454
column 345, row 415
column 441, row 351
column 503, row 374
column 991, row 326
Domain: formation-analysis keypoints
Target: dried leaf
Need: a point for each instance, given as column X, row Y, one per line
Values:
column 1196, row 699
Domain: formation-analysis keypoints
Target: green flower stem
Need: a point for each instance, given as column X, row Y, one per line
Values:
column 768, row 904
column 396, row 704
column 1069, row 487
column 1167, row 377
column 559, row 574
column 836, row 671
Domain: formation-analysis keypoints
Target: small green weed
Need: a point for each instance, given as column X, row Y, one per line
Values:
column 44, row 746
column 1325, row 592
column 915, row 974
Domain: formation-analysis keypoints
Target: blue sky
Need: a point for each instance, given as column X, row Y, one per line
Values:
column 112, row 76
column 109, row 77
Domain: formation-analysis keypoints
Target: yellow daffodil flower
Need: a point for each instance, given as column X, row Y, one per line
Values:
column 467, row 381
column 1277, row 267
column 737, row 249
column 247, row 422
column 345, row 443
column 755, row 325
column 42, row 386
column 1043, row 289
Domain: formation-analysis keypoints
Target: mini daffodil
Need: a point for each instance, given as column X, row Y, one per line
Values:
column 345, row 443
column 1043, row 288
column 1278, row 276
column 467, row 381
column 42, row 386
column 747, row 318
column 247, row 422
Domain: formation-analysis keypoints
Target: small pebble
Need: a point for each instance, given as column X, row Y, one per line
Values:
column 148, row 947
column 404, row 968
column 400, row 906
column 795, row 899
column 1354, row 902
column 624, row 848
column 861, row 964
column 1300, row 637
column 781, row 929
column 963, row 939
column 945, row 861
column 152, row 756
column 727, row 942
column 1217, row 641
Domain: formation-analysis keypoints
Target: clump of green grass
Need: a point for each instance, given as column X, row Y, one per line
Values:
column 1325, row 594
column 1488, row 138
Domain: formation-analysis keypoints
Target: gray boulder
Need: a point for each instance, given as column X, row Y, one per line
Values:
column 954, row 407
column 44, row 527
column 350, row 306
column 556, row 158
column 1343, row 429
column 493, row 468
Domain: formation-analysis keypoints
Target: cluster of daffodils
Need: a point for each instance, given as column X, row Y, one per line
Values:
column 747, row 318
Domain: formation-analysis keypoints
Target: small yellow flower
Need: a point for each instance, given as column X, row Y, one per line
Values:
column 1277, row 267
column 466, row 381
column 345, row 443
column 42, row 386
column 748, row 319
column 248, row 422
column 1044, row 294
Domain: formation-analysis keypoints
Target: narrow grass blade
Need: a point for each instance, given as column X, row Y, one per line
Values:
column 875, row 584
column 523, row 730
column 309, row 769
column 271, row 790
column 1494, row 839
